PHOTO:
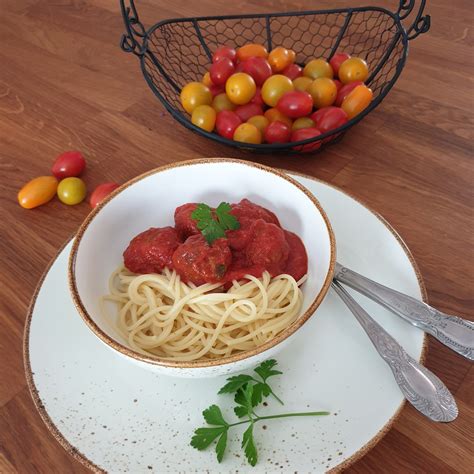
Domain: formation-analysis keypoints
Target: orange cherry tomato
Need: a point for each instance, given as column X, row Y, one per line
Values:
column 240, row 88
column 318, row 68
column 274, row 87
column 302, row 83
column 251, row 50
column 323, row 91
column 357, row 101
column 222, row 102
column 274, row 115
column 247, row 133
column 206, row 79
column 38, row 191
column 279, row 58
column 194, row 94
column 260, row 121
column 204, row 116
column 292, row 55
column 353, row 69
column 302, row 122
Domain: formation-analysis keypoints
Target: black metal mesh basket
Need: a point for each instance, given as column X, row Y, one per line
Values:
column 176, row 51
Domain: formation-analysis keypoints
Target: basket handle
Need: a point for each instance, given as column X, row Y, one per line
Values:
column 421, row 23
column 132, row 40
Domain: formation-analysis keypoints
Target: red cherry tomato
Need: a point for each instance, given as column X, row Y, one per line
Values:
column 67, row 164
column 293, row 71
column 344, row 91
column 333, row 118
column 257, row 98
column 338, row 84
column 226, row 123
column 319, row 114
column 101, row 191
column 337, row 60
column 221, row 71
column 305, row 134
column 224, row 52
column 239, row 67
column 216, row 90
column 257, row 67
column 295, row 104
column 277, row 132
column 248, row 110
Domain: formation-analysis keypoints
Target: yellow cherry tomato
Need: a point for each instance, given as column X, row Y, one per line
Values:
column 194, row 94
column 302, row 122
column 279, row 58
column 357, row 101
column 206, row 79
column 302, row 83
column 292, row 55
column 274, row 115
column 318, row 68
column 204, row 116
column 323, row 91
column 274, row 87
column 38, row 191
column 240, row 88
column 251, row 50
column 222, row 102
column 352, row 70
column 260, row 121
column 71, row 191
column 247, row 133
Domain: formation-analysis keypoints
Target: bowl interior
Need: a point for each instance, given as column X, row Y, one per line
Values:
column 150, row 202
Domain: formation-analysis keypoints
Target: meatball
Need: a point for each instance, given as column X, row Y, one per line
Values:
column 297, row 264
column 249, row 210
column 184, row 223
column 152, row 250
column 198, row 262
column 239, row 239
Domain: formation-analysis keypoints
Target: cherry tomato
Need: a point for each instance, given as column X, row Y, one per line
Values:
column 302, row 83
column 69, row 163
column 248, row 110
column 250, row 50
column 101, row 191
column 216, row 90
column 206, row 79
column 318, row 68
column 257, row 98
column 274, row 115
column 330, row 118
column 305, row 134
column 323, row 91
column 226, row 123
column 194, row 94
column 274, row 87
column 293, row 71
column 240, row 88
column 279, row 58
column 319, row 114
column 224, row 52
column 292, row 55
column 353, row 69
column 239, row 67
column 37, row 192
column 338, row 84
column 357, row 101
column 221, row 102
column 260, row 121
column 295, row 104
column 221, row 70
column 337, row 60
column 277, row 132
column 302, row 122
column 345, row 90
column 204, row 116
column 71, row 191
column 247, row 133
column 258, row 68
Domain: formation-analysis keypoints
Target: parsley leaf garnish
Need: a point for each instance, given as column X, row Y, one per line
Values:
column 213, row 224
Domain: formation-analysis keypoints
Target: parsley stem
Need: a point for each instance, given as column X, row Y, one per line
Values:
column 277, row 398
column 283, row 415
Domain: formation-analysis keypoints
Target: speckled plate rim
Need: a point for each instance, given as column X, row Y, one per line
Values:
column 83, row 459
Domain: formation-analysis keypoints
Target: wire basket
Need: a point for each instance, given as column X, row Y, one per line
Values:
column 176, row 51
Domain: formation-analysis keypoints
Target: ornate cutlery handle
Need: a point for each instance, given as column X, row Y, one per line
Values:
column 454, row 332
column 420, row 387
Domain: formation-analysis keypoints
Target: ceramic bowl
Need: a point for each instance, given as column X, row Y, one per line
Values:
column 149, row 201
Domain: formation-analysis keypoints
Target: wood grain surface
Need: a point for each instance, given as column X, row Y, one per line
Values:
column 65, row 84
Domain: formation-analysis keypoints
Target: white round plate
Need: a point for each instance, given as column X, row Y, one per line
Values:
column 113, row 415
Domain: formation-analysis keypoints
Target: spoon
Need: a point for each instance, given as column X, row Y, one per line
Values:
column 421, row 388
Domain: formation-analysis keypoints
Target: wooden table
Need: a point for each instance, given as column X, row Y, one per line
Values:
column 65, row 84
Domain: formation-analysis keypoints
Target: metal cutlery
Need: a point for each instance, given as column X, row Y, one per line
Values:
column 424, row 390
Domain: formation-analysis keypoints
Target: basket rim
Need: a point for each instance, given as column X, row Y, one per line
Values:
column 289, row 146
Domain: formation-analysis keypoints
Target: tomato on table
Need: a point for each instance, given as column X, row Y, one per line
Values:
column 248, row 110
column 260, row 121
column 302, row 83
column 251, row 50
column 306, row 134
column 204, row 116
column 69, row 163
column 258, row 68
column 226, row 123
column 71, row 191
column 353, row 69
column 345, row 90
column 194, row 94
column 323, row 91
column 318, row 68
column 224, row 52
column 274, row 87
column 240, row 88
column 293, row 71
column 221, row 70
column 302, row 122
column 274, row 115
column 101, row 191
column 221, row 102
column 279, row 58
column 295, row 104
column 37, row 192
column 358, row 100
column 247, row 133
column 277, row 132
column 337, row 60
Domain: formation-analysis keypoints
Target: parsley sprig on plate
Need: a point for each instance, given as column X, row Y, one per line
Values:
column 248, row 394
column 213, row 224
